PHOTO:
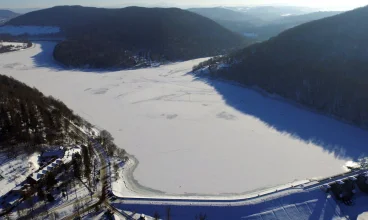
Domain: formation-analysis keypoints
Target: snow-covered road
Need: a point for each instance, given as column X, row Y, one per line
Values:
column 186, row 137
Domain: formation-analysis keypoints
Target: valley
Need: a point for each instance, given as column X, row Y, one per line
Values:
column 206, row 113
column 184, row 133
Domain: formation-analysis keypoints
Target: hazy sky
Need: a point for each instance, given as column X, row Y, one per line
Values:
column 322, row 4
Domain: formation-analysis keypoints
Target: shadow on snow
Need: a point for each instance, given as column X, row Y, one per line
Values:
column 343, row 140
column 45, row 59
column 291, row 206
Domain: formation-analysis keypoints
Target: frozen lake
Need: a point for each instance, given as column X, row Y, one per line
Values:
column 192, row 136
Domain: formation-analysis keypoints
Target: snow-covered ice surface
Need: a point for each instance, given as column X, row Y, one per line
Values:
column 363, row 216
column 194, row 136
column 30, row 30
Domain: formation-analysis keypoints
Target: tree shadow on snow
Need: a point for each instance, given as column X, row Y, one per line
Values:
column 342, row 139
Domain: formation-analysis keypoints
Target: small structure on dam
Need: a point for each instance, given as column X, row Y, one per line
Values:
column 344, row 190
column 362, row 182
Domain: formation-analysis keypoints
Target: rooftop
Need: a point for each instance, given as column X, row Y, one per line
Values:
column 56, row 153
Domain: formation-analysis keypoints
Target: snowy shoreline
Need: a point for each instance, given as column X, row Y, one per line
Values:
column 129, row 187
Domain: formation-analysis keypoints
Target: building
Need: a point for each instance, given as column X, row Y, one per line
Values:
column 39, row 175
column 55, row 154
column 363, row 182
column 21, row 189
column 10, row 200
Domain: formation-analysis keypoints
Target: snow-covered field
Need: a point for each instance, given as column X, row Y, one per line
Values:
column 183, row 131
column 14, row 45
column 31, row 30
column 15, row 170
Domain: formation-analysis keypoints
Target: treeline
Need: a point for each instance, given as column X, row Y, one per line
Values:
column 325, row 70
column 9, row 38
column 93, row 54
column 83, row 164
column 107, row 142
column 132, row 36
column 29, row 119
column 9, row 48
column 209, row 63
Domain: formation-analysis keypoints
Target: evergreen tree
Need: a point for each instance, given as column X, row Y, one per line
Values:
column 50, row 180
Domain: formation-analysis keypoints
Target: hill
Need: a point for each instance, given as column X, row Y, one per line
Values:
column 132, row 36
column 28, row 119
column 235, row 21
column 257, row 23
column 320, row 64
column 279, row 25
column 6, row 15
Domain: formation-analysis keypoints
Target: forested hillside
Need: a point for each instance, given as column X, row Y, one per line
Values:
column 5, row 15
column 132, row 36
column 321, row 64
column 28, row 119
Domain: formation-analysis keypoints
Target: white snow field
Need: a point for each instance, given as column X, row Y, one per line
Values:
column 14, row 45
column 15, row 170
column 191, row 136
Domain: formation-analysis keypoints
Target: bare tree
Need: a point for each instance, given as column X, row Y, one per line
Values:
column 77, row 206
column 201, row 216
column 156, row 216
column 168, row 213
column 30, row 204
column 116, row 170
column 105, row 137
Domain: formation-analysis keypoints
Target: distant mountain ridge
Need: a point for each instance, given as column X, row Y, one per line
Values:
column 261, row 22
column 6, row 15
column 321, row 64
column 128, row 37
column 219, row 13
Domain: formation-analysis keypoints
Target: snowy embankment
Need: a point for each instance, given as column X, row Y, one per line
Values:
column 185, row 136
column 30, row 30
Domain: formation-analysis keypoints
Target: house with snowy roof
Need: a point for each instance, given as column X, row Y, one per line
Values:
column 54, row 154
column 10, row 200
column 39, row 175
